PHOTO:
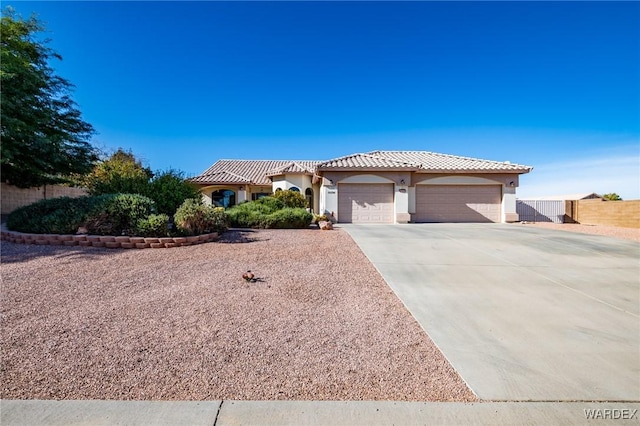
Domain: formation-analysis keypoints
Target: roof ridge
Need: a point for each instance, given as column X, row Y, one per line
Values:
column 227, row 172
column 462, row 157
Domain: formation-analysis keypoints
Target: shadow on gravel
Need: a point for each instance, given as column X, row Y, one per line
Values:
column 12, row 253
column 240, row 236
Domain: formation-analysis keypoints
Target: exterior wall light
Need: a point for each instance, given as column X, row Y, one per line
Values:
column 401, row 181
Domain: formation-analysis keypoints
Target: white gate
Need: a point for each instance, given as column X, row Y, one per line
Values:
column 540, row 210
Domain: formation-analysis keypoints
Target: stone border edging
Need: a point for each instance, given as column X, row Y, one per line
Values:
column 107, row 241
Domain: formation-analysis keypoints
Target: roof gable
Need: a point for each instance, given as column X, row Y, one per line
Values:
column 366, row 161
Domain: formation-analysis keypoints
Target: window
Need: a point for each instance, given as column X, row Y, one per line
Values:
column 295, row 189
column 308, row 194
column 223, row 198
column 258, row 195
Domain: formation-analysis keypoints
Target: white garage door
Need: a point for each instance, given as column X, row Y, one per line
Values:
column 365, row 203
column 458, row 203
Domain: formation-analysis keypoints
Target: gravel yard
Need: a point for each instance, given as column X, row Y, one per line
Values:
column 181, row 324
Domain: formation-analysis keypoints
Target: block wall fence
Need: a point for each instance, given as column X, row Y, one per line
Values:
column 625, row 214
column 13, row 197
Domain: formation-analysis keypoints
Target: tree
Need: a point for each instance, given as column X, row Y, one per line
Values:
column 169, row 190
column 120, row 173
column 123, row 173
column 44, row 139
column 612, row 197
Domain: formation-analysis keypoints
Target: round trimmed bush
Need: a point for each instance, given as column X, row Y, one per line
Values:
column 194, row 218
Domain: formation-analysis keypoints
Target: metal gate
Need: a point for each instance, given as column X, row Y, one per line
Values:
column 540, row 210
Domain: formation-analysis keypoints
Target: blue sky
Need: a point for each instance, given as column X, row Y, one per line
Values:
column 182, row 84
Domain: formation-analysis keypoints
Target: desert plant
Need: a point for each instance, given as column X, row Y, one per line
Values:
column 319, row 218
column 292, row 199
column 251, row 214
column 287, row 218
column 193, row 218
column 120, row 214
column 155, row 225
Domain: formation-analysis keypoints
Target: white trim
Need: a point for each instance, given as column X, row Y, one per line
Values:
column 458, row 180
column 365, row 178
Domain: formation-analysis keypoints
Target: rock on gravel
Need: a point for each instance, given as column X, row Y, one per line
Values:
column 181, row 324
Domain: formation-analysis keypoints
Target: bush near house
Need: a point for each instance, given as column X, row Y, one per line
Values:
column 268, row 212
column 193, row 218
column 292, row 199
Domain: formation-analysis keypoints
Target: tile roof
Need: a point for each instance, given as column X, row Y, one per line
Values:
column 368, row 161
column 294, row 167
column 428, row 162
column 257, row 172
column 254, row 172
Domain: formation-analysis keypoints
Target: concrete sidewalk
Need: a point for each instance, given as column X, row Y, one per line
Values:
column 219, row 413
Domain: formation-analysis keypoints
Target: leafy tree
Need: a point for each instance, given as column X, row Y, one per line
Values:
column 44, row 138
column 169, row 190
column 612, row 197
column 120, row 173
column 123, row 173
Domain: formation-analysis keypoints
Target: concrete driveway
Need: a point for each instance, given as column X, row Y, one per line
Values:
column 522, row 313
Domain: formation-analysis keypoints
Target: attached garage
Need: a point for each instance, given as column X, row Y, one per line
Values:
column 458, row 203
column 365, row 203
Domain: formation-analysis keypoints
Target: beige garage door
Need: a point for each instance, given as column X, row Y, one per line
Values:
column 458, row 203
column 365, row 203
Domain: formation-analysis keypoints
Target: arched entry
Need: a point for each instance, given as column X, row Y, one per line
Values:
column 308, row 194
column 223, row 198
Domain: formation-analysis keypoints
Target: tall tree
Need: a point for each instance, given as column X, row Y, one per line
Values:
column 122, row 172
column 44, row 138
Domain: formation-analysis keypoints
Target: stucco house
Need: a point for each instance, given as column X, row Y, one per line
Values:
column 378, row 186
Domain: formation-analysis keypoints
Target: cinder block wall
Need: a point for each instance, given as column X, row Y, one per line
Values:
column 13, row 197
column 625, row 214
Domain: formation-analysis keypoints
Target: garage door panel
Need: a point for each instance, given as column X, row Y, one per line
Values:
column 365, row 203
column 458, row 203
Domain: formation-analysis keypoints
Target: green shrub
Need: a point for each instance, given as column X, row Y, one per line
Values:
column 155, row 225
column 292, row 199
column 287, row 218
column 251, row 214
column 169, row 190
column 271, row 204
column 119, row 214
column 106, row 214
column 53, row 216
column 194, row 218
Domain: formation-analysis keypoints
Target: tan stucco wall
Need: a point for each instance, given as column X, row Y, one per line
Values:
column 14, row 197
column 625, row 214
